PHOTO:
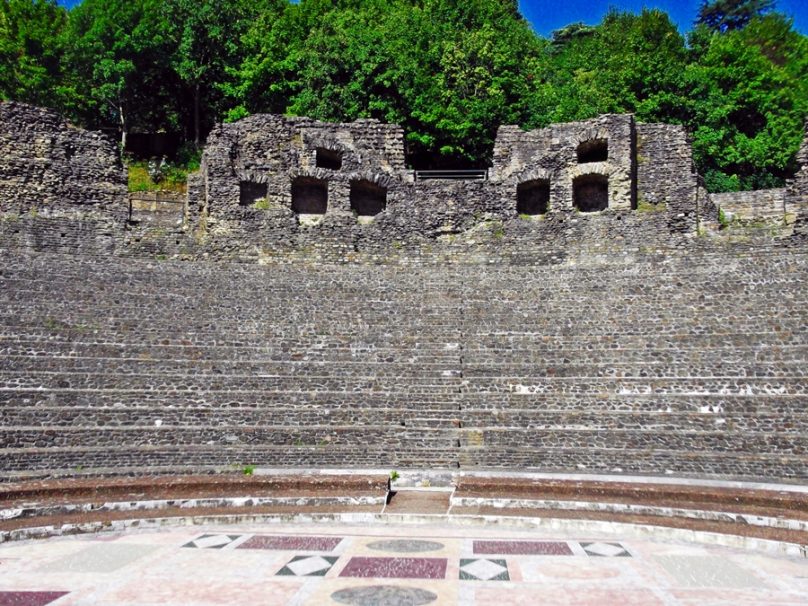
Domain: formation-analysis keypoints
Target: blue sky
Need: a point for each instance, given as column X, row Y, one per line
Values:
column 547, row 15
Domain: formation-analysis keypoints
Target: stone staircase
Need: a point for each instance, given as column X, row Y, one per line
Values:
column 692, row 364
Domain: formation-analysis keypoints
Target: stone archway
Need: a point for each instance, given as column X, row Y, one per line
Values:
column 590, row 193
column 593, row 150
column 367, row 199
column 533, row 197
column 309, row 196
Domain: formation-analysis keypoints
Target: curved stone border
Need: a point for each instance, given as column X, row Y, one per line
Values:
column 590, row 528
column 247, row 501
column 624, row 508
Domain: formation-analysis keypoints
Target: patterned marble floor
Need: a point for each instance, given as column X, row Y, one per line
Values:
column 298, row 565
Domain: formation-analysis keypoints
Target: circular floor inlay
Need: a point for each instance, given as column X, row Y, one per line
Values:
column 406, row 545
column 389, row 595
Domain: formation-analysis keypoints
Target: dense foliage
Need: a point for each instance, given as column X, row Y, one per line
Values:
column 449, row 71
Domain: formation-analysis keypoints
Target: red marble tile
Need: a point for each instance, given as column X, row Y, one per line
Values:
column 29, row 598
column 522, row 547
column 291, row 543
column 395, row 568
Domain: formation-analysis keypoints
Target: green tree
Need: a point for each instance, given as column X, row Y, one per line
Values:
column 31, row 49
column 628, row 63
column 747, row 98
column 726, row 15
column 449, row 71
column 205, row 36
column 117, row 56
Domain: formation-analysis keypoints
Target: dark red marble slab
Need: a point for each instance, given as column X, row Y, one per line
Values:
column 291, row 543
column 395, row 568
column 522, row 547
column 29, row 598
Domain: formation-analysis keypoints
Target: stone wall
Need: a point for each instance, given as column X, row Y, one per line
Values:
column 260, row 191
column 751, row 206
column 259, row 158
column 667, row 176
column 564, row 153
column 158, row 209
column 48, row 166
column 277, row 187
column 797, row 191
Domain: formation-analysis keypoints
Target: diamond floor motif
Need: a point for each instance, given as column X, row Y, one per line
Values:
column 483, row 570
column 308, row 566
column 608, row 550
column 213, row 541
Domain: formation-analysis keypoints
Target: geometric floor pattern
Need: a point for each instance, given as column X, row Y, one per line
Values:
column 212, row 541
column 314, row 565
column 308, row 566
column 483, row 570
column 606, row 550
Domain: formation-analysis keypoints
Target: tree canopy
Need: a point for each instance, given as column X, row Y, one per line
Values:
column 723, row 15
column 450, row 71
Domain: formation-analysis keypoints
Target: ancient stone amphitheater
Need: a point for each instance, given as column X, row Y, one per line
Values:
column 582, row 323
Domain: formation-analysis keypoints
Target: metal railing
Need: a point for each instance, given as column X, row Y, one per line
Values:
column 452, row 175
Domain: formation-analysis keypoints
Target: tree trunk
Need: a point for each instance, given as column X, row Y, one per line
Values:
column 197, row 95
column 123, row 129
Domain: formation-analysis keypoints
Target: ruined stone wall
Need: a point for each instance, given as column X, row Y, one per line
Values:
column 750, row 206
column 553, row 154
column 666, row 173
column 797, row 191
column 278, row 189
column 48, row 166
column 260, row 157
column 263, row 190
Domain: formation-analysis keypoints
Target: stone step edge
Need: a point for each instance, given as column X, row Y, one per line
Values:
column 27, row 511
column 715, row 515
column 463, row 431
column 447, row 446
column 498, row 377
column 587, row 529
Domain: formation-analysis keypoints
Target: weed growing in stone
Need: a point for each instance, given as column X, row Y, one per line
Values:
column 644, row 206
column 248, row 470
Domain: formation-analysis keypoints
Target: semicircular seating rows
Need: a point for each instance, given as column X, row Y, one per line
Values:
column 688, row 365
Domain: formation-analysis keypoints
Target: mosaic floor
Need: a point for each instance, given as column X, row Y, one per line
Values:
column 299, row 565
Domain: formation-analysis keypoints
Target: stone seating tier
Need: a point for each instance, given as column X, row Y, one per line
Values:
column 689, row 364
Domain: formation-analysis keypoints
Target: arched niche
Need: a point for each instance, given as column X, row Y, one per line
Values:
column 328, row 158
column 251, row 192
column 590, row 193
column 309, row 196
column 367, row 199
column 533, row 197
column 593, row 150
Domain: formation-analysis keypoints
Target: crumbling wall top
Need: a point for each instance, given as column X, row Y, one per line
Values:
column 49, row 165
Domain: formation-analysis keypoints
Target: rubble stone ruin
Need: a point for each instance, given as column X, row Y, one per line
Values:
column 311, row 303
